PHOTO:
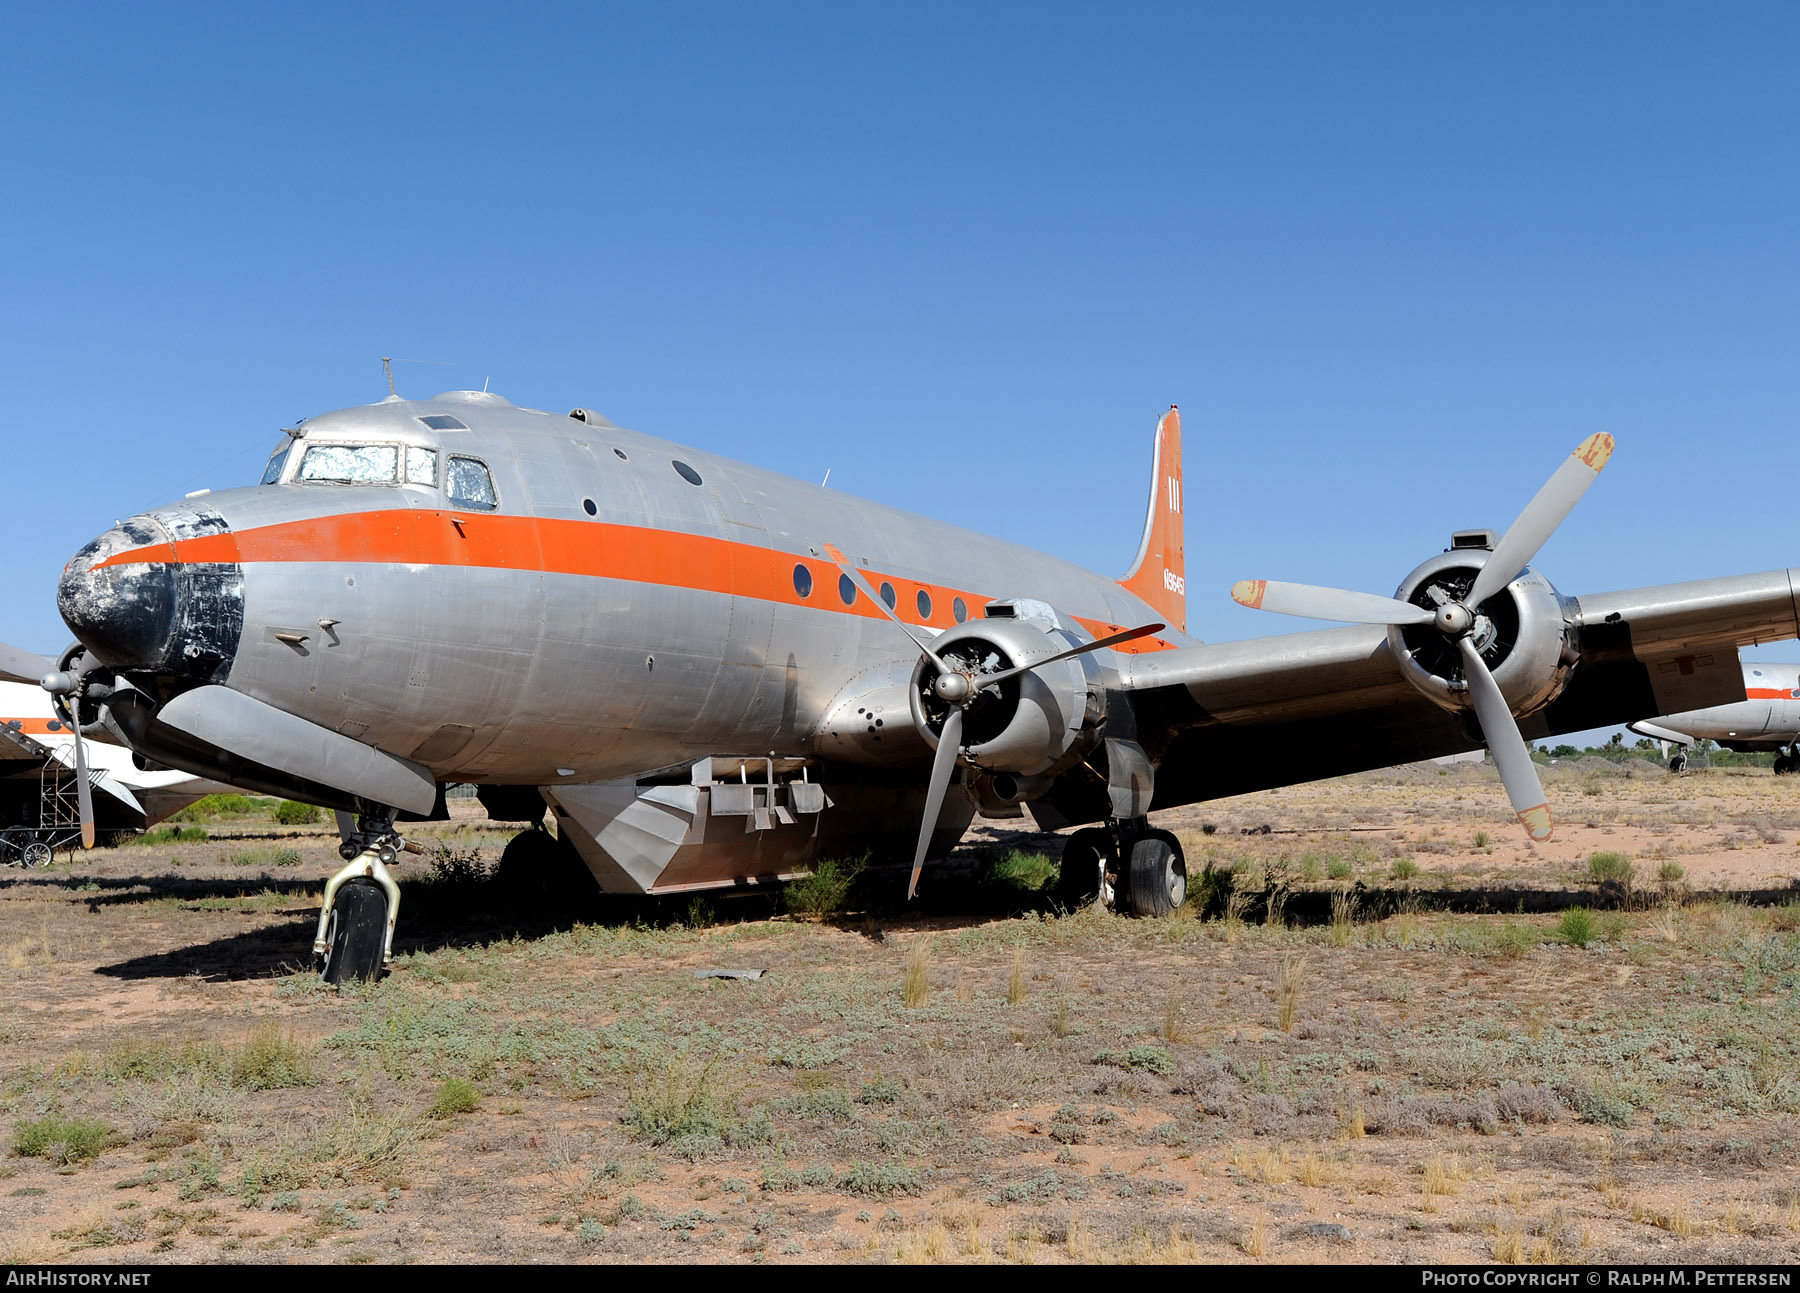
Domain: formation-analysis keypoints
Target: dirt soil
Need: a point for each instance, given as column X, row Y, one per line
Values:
column 1372, row 1035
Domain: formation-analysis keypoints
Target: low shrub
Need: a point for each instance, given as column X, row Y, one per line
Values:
column 1577, row 926
column 62, row 1140
column 173, row 835
column 1148, row 1059
column 1405, row 869
column 272, row 1059
column 827, row 891
column 1611, row 868
column 290, row 812
column 454, row 1096
column 210, row 806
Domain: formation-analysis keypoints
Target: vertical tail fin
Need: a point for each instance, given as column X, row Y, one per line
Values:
column 1159, row 575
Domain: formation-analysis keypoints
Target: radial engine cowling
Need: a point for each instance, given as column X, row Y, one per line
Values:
column 1526, row 633
column 1033, row 724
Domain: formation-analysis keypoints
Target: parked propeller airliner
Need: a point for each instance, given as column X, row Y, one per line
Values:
column 714, row 675
column 1768, row 718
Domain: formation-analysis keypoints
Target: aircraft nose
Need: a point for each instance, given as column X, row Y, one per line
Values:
column 137, row 606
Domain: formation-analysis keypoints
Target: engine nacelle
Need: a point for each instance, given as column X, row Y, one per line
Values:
column 1526, row 633
column 1033, row 725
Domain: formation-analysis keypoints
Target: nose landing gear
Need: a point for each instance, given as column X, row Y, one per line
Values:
column 355, row 941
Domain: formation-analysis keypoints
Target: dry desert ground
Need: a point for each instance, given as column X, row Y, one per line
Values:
column 1375, row 1034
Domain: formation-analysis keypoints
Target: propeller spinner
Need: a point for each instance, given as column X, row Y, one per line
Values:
column 960, row 685
column 1460, row 620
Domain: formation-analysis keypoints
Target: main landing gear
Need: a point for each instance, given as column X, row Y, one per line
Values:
column 355, row 941
column 1128, row 864
column 1678, row 761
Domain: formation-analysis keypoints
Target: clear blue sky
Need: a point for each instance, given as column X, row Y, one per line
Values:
column 1393, row 261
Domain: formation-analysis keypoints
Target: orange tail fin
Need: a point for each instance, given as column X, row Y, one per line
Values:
column 1159, row 575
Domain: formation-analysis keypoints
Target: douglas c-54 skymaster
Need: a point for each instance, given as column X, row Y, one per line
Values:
column 714, row 675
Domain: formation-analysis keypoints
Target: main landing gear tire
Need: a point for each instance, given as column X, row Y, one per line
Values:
column 1086, row 857
column 1155, row 880
column 1784, row 765
column 1678, row 763
column 539, row 869
column 356, row 933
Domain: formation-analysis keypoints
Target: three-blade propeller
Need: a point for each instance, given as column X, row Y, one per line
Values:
column 959, row 686
column 1457, row 620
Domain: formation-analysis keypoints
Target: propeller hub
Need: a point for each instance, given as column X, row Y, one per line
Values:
column 57, row 683
column 1454, row 620
column 952, row 687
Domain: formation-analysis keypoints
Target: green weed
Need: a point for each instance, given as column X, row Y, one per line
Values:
column 454, row 1096
column 1577, row 926
column 61, row 1139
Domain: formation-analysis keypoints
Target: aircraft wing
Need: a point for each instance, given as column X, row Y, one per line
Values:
column 1240, row 716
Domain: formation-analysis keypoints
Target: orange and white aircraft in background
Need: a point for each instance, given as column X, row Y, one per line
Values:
column 37, row 762
column 714, row 675
column 1768, row 718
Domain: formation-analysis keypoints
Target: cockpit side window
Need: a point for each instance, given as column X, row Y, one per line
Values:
column 421, row 466
column 469, row 484
column 277, row 461
column 351, row 464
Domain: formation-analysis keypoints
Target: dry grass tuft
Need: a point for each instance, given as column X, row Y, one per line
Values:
column 1289, row 976
column 1256, row 1242
column 916, row 990
column 1015, row 982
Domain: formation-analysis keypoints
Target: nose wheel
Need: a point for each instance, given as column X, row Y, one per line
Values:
column 355, row 941
column 355, row 933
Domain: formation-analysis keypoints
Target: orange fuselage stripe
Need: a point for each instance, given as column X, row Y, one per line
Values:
column 1768, row 693
column 33, row 726
column 599, row 549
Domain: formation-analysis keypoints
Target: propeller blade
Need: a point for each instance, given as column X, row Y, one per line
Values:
column 1326, row 603
column 1143, row 630
column 1511, row 755
column 1541, row 516
column 17, row 665
column 942, row 767
column 842, row 562
column 84, row 793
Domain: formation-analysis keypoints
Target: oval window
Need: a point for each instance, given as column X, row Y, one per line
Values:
column 620, row 453
column 847, row 590
column 924, row 604
column 960, row 609
column 802, row 580
column 687, row 473
column 887, row 594
column 587, row 505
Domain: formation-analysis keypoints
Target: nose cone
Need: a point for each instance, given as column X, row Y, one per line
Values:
column 138, row 607
column 118, row 595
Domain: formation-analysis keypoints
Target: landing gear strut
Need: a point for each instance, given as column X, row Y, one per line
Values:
column 355, row 941
column 1141, row 869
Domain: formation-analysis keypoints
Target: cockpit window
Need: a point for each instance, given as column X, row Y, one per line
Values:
column 421, row 466
column 277, row 461
column 469, row 485
column 351, row 464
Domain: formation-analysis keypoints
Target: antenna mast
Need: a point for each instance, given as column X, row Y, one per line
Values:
column 387, row 366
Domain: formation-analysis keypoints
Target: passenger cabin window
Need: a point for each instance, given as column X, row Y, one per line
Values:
column 470, row 486
column 277, row 461
column 351, row 464
column 421, row 466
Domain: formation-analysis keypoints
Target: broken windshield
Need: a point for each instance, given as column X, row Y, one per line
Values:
column 351, row 464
